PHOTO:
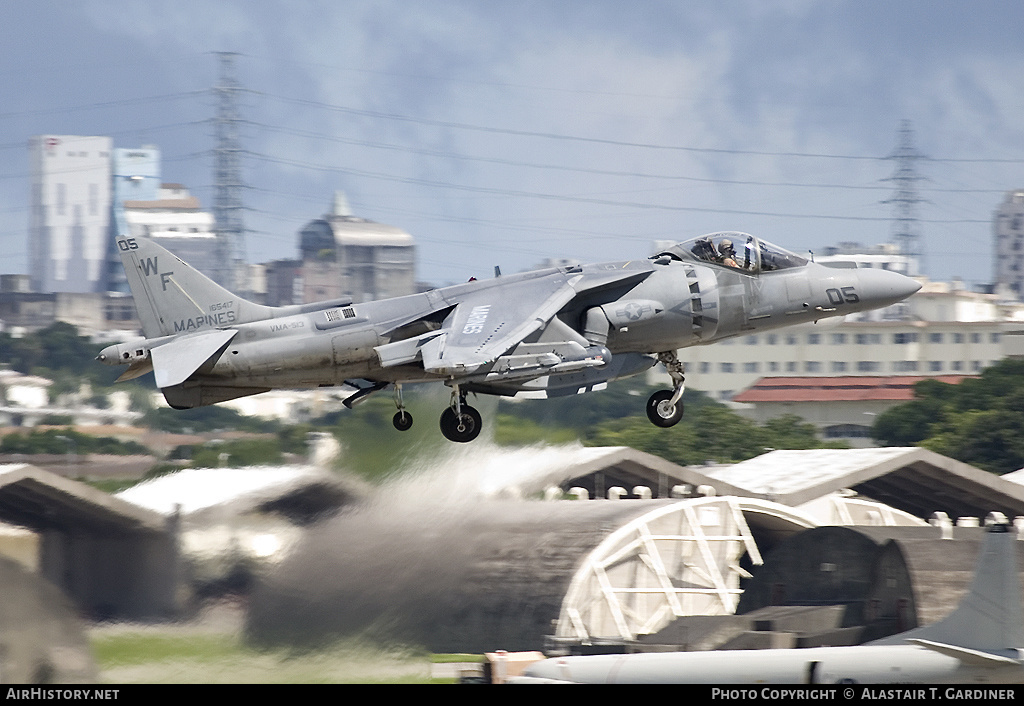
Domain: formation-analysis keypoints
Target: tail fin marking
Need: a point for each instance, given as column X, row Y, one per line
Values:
column 173, row 297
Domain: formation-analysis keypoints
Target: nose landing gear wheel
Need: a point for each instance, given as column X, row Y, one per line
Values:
column 661, row 411
column 461, row 428
column 402, row 421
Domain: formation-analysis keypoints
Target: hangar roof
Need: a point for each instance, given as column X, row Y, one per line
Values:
column 300, row 492
column 600, row 468
column 40, row 500
column 912, row 479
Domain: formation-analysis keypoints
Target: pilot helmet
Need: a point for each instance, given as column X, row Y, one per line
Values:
column 726, row 248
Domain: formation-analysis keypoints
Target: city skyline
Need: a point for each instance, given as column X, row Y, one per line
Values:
column 503, row 136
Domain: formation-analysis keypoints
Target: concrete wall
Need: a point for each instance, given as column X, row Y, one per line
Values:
column 42, row 639
column 126, row 576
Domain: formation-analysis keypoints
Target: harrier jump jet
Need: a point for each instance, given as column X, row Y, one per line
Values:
column 557, row 331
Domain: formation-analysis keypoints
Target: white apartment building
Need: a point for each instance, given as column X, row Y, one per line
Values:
column 885, row 256
column 176, row 221
column 70, row 212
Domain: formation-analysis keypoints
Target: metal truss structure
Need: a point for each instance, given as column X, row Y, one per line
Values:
column 680, row 559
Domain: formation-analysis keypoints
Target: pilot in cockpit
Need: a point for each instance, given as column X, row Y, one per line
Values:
column 728, row 253
column 721, row 251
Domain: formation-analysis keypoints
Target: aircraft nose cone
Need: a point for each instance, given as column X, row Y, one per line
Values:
column 882, row 287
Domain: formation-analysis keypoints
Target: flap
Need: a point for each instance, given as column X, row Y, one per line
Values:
column 136, row 370
column 404, row 351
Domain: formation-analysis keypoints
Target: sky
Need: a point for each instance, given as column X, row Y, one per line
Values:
column 507, row 133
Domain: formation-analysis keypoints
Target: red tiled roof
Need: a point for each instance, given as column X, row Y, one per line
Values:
column 850, row 388
column 190, row 203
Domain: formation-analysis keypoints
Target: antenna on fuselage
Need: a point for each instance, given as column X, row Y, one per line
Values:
column 497, row 270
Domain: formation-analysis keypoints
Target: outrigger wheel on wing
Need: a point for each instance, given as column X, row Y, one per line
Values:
column 402, row 420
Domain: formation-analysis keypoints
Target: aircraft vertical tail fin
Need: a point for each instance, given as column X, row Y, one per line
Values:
column 990, row 617
column 173, row 297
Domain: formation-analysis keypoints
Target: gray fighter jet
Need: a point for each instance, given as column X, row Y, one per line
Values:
column 556, row 331
column 981, row 641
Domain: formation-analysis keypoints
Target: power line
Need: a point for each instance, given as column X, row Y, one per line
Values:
column 554, row 136
column 596, row 171
column 105, row 104
column 572, row 199
column 597, row 140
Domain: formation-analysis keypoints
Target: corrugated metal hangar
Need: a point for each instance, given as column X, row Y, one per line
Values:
column 112, row 558
column 119, row 556
column 692, row 557
column 511, row 575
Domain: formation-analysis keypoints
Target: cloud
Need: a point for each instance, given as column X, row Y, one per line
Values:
column 434, row 116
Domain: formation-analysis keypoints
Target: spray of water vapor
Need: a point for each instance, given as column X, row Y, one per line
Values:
column 439, row 557
column 468, row 473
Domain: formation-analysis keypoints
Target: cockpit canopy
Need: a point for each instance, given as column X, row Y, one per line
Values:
column 735, row 250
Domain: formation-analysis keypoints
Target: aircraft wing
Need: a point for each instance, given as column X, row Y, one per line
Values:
column 967, row 655
column 489, row 322
column 176, row 360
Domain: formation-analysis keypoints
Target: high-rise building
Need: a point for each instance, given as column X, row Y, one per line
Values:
column 1008, row 228
column 174, row 219
column 135, row 177
column 70, row 213
column 343, row 255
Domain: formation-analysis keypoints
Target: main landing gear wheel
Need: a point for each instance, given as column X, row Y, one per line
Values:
column 462, row 427
column 661, row 411
column 402, row 420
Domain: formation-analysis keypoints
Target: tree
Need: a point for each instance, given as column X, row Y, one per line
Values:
column 210, row 418
column 909, row 424
column 620, row 400
column 989, row 439
column 60, row 441
column 715, row 434
column 980, row 421
column 240, row 452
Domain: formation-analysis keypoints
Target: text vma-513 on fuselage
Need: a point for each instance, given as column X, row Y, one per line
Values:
column 550, row 332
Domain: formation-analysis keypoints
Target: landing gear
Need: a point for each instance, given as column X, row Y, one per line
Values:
column 461, row 427
column 661, row 410
column 460, row 422
column 402, row 419
column 665, row 407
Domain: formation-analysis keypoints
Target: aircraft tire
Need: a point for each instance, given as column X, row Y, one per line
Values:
column 658, row 410
column 402, row 421
column 461, row 429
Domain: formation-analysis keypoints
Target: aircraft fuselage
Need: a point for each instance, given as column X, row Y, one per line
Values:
column 555, row 331
column 336, row 344
column 816, row 665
